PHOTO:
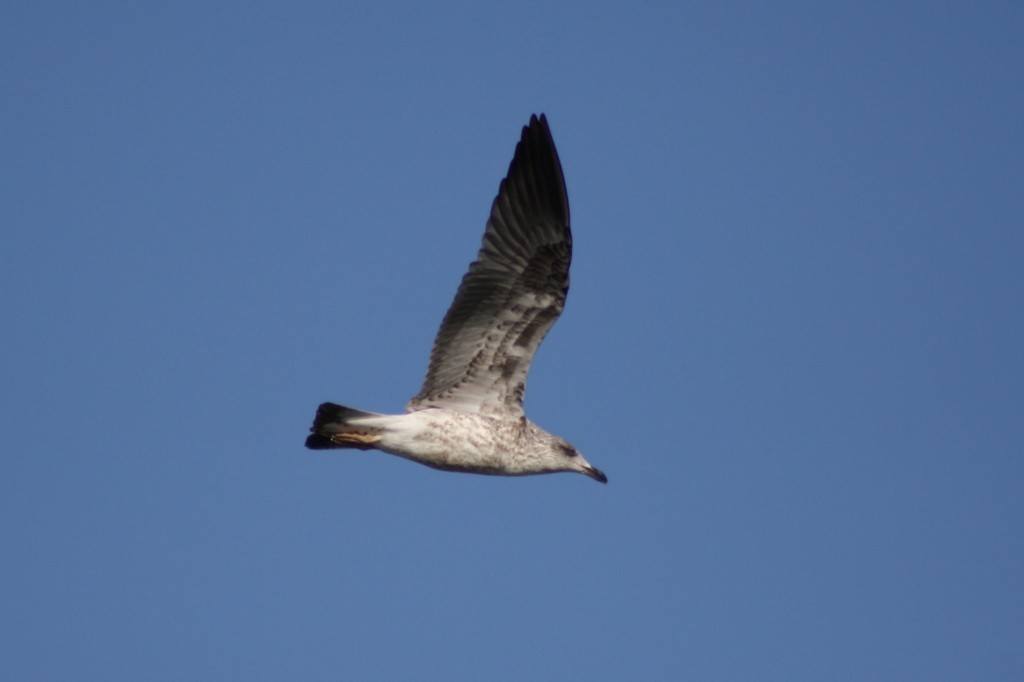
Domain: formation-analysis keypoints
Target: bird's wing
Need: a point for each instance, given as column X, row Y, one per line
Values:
column 513, row 292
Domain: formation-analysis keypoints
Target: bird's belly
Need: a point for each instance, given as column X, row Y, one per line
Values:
column 452, row 441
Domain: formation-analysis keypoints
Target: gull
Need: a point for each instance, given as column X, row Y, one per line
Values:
column 468, row 416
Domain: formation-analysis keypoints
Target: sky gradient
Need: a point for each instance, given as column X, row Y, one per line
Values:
column 792, row 342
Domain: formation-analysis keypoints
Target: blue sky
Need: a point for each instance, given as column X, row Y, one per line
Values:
column 793, row 341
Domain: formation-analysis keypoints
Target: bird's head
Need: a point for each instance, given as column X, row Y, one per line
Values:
column 570, row 459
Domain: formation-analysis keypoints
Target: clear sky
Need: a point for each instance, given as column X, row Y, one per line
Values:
column 793, row 341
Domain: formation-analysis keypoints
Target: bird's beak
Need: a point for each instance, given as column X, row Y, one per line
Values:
column 595, row 474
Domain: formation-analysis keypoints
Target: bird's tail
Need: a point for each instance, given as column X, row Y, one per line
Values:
column 335, row 427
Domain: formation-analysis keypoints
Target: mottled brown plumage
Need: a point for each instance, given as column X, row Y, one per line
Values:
column 468, row 416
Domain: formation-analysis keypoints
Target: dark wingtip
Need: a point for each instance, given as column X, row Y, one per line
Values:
column 535, row 175
column 538, row 122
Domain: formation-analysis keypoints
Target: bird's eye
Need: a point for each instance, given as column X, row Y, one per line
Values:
column 569, row 451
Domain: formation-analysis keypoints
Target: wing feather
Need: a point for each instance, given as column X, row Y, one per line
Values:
column 513, row 292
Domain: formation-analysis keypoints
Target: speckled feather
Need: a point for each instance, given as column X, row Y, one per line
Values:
column 513, row 292
column 469, row 417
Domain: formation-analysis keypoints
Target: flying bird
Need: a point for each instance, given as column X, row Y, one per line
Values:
column 468, row 416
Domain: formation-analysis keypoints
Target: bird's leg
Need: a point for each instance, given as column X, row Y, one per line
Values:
column 355, row 438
